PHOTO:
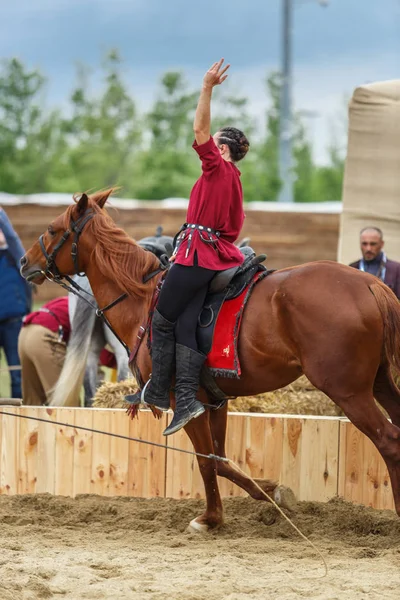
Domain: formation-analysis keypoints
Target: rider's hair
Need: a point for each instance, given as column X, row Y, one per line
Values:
column 378, row 231
column 236, row 141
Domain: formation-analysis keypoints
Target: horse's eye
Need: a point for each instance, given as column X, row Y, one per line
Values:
column 51, row 231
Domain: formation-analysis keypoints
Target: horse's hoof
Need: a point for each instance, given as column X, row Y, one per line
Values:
column 196, row 527
column 284, row 497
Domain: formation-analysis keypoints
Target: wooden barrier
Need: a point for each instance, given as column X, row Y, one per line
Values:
column 318, row 457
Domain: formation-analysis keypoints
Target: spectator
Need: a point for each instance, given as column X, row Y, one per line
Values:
column 42, row 347
column 15, row 298
column 375, row 261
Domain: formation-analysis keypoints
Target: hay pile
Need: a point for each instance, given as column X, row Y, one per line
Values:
column 298, row 398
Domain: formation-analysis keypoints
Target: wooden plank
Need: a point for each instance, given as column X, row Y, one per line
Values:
column 64, row 474
column 28, row 454
column 147, row 464
column 363, row 476
column 46, row 451
column 351, row 478
column 265, row 449
column 183, row 479
column 236, row 450
column 119, row 453
column 100, row 472
column 291, row 454
column 377, row 490
column 9, row 452
column 83, row 451
column 319, row 460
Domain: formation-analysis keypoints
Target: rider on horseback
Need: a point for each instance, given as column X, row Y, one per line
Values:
column 205, row 245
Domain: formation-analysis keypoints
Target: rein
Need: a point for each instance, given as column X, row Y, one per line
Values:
column 52, row 273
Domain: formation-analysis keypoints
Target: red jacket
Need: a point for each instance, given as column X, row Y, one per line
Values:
column 54, row 314
column 216, row 201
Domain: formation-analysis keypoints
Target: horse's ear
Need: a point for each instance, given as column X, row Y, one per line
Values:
column 82, row 203
column 101, row 197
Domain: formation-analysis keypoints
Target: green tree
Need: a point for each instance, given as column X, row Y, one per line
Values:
column 103, row 132
column 168, row 166
column 329, row 179
column 29, row 140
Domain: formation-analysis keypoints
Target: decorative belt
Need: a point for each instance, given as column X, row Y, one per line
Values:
column 191, row 227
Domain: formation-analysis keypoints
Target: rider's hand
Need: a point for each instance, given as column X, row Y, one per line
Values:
column 172, row 258
column 215, row 74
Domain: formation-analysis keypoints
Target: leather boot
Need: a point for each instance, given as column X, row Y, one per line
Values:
column 157, row 389
column 187, row 407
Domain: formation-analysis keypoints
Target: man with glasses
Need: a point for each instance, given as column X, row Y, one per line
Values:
column 375, row 261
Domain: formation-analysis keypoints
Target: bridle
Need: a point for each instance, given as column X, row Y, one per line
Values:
column 52, row 272
column 76, row 228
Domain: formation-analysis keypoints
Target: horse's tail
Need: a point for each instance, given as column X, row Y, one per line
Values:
column 389, row 306
column 68, row 387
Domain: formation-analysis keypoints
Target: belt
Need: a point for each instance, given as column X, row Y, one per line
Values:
column 192, row 227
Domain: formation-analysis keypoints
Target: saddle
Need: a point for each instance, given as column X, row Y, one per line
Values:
column 158, row 244
column 232, row 284
column 226, row 285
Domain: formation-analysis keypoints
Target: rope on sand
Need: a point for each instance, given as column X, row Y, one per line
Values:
column 209, row 456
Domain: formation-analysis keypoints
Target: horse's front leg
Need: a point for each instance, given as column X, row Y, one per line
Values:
column 281, row 494
column 199, row 433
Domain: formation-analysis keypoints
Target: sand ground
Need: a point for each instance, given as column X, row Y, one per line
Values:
column 95, row 547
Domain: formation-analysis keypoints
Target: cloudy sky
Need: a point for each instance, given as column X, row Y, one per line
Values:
column 349, row 43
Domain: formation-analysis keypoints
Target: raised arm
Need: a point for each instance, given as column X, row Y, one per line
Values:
column 202, row 120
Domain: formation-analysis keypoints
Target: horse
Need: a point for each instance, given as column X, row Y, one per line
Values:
column 88, row 337
column 338, row 326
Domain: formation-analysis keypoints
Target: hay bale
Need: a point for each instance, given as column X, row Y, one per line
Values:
column 112, row 395
column 298, row 398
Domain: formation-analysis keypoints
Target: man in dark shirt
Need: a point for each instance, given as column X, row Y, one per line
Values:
column 375, row 261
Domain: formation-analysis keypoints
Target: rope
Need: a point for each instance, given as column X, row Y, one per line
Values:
column 237, row 468
column 118, row 435
column 209, row 456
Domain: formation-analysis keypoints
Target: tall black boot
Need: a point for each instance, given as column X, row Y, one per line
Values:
column 188, row 367
column 156, row 391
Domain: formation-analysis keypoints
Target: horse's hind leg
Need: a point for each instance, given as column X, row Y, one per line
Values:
column 387, row 393
column 282, row 495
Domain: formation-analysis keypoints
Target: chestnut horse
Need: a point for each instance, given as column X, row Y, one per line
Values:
column 338, row 326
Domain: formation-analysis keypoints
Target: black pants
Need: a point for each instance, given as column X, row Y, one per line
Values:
column 182, row 298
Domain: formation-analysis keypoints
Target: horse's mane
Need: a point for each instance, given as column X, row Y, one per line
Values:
column 117, row 256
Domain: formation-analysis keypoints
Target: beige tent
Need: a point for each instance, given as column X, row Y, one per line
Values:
column 371, row 192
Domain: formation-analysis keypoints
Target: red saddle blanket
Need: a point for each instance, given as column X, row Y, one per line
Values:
column 223, row 359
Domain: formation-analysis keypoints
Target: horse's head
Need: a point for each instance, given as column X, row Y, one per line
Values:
column 55, row 254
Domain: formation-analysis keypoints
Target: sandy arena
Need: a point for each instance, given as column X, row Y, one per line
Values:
column 95, row 547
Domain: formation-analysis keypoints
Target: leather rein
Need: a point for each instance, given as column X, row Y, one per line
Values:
column 52, row 273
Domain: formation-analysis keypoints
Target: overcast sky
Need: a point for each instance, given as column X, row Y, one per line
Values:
column 349, row 43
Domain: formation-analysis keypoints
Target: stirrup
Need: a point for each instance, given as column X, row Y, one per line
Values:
column 134, row 398
column 145, row 403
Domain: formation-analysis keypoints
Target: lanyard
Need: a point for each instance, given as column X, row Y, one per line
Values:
column 382, row 267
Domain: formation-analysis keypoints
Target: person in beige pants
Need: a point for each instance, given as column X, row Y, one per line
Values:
column 42, row 356
column 42, row 347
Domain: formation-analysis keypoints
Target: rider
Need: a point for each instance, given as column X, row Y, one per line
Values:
column 205, row 245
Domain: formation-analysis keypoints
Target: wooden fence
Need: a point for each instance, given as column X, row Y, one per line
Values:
column 318, row 457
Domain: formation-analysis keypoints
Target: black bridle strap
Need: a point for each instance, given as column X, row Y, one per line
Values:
column 52, row 272
column 76, row 289
column 77, row 228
